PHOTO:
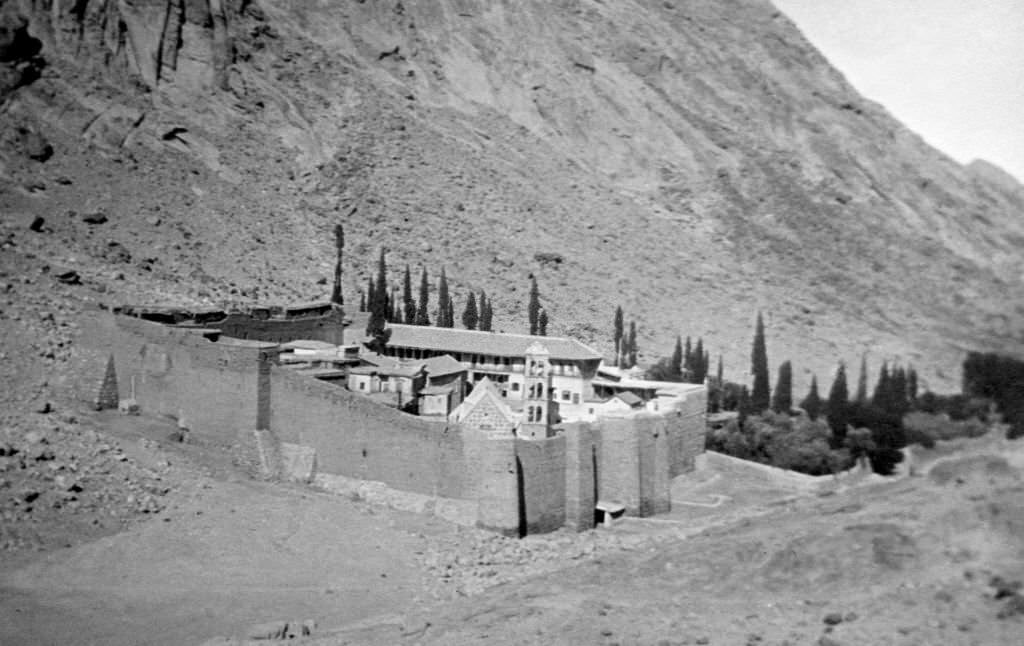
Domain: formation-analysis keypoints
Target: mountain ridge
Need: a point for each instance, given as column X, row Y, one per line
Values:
column 693, row 163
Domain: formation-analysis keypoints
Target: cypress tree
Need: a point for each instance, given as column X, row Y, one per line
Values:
column 376, row 327
column 676, row 366
column 760, row 397
column 862, row 381
column 423, row 309
column 743, row 405
column 632, row 343
column 700, row 369
column 706, row 363
column 812, row 402
column 533, row 308
column 838, row 410
column 782, row 401
column 339, row 248
column 470, row 316
column 617, row 334
column 898, row 392
column 383, row 296
column 542, row 323
column 371, row 293
column 721, row 371
column 449, row 313
column 409, row 301
column 911, row 385
column 485, row 312
column 880, row 398
column 442, row 301
column 688, row 360
column 362, row 301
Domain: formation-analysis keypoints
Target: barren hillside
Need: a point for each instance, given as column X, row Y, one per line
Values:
column 692, row 161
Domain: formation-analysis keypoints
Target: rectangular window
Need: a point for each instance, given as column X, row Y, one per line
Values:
column 566, row 395
column 575, row 398
column 362, row 385
column 515, row 386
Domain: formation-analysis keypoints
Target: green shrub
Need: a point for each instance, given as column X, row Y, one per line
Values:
column 796, row 443
column 922, row 427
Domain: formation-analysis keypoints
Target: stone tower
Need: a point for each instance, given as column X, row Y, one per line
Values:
column 537, row 404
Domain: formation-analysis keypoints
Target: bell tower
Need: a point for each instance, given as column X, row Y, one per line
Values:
column 537, row 404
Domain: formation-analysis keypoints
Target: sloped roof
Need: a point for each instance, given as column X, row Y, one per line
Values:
column 308, row 344
column 484, row 390
column 629, row 398
column 443, row 365
column 438, row 390
column 493, row 343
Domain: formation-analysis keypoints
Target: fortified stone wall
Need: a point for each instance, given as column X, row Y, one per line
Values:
column 329, row 328
column 542, row 466
column 214, row 389
column 358, row 438
column 581, row 450
column 618, row 464
column 492, row 480
column 231, row 392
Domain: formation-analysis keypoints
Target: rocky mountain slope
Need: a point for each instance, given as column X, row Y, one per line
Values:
column 691, row 161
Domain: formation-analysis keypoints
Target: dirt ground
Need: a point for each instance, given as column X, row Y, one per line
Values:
column 913, row 561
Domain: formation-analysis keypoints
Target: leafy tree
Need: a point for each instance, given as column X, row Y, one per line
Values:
column 533, row 308
column 812, row 404
column 743, row 405
column 783, row 400
column 838, row 408
column 760, row 397
column 422, row 311
column 862, row 381
column 542, row 323
column 339, row 248
column 617, row 334
column 664, row 370
column 470, row 316
column 409, row 301
column 443, row 299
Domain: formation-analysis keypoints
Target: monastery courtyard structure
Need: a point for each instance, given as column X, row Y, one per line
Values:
column 516, row 433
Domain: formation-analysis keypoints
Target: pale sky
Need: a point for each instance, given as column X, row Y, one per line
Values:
column 951, row 70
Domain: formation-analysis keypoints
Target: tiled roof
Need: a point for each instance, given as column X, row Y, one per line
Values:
column 492, row 343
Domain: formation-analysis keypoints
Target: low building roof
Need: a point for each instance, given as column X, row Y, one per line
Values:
column 308, row 344
column 629, row 398
column 438, row 390
column 443, row 365
column 310, row 305
column 492, row 343
column 387, row 371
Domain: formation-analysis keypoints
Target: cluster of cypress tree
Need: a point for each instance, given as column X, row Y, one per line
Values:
column 625, row 341
column 537, row 315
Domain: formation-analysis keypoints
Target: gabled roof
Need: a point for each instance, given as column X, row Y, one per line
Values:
column 493, row 343
column 484, row 391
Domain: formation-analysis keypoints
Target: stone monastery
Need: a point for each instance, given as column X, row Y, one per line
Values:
column 515, row 433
